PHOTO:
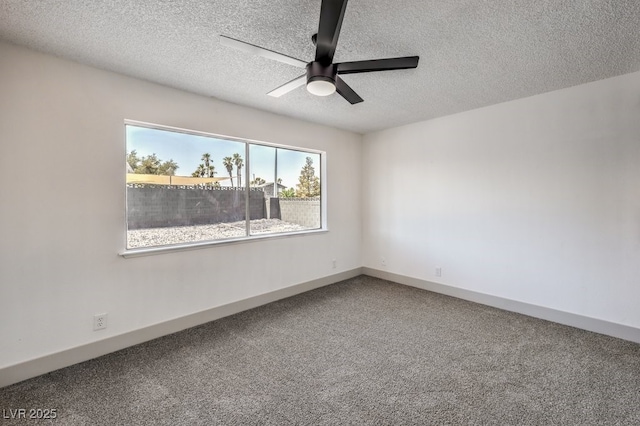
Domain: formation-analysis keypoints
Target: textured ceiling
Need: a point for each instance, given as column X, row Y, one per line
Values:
column 473, row 53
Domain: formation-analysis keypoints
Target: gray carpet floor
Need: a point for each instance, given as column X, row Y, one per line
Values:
column 360, row 352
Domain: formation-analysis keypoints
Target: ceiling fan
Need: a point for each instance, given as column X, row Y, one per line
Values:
column 323, row 76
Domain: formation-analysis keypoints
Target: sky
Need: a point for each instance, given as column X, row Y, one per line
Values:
column 187, row 149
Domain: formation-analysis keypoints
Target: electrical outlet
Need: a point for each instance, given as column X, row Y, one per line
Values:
column 333, row 262
column 438, row 272
column 99, row 321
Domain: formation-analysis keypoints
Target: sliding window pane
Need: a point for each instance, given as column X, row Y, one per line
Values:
column 300, row 202
column 291, row 190
column 183, row 188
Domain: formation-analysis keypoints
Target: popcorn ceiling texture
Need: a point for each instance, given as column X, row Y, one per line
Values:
column 472, row 53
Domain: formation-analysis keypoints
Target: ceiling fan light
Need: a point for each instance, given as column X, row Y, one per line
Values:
column 321, row 87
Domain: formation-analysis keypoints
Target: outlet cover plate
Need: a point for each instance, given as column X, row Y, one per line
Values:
column 100, row 321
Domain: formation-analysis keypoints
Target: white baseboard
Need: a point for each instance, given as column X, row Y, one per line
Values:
column 35, row 367
column 45, row 364
column 620, row 331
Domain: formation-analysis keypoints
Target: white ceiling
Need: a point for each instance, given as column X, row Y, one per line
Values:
column 473, row 53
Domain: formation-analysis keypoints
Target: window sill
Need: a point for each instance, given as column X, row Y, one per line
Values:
column 150, row 251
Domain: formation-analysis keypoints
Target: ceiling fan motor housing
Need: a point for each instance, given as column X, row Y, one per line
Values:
column 321, row 79
column 317, row 71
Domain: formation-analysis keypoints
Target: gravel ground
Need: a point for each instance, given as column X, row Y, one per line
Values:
column 151, row 237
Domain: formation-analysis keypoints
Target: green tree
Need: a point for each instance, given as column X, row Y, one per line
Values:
column 199, row 172
column 308, row 183
column 206, row 168
column 257, row 181
column 151, row 164
column 288, row 193
column 132, row 159
column 237, row 160
column 210, row 170
column 228, row 164
column 168, row 168
column 148, row 165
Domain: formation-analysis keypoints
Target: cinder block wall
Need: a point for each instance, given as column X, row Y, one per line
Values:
column 303, row 211
column 159, row 207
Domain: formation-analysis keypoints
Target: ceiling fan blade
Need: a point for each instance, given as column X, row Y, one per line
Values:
column 331, row 15
column 347, row 92
column 287, row 87
column 261, row 51
column 377, row 65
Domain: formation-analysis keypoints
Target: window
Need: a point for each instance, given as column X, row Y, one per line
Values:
column 186, row 187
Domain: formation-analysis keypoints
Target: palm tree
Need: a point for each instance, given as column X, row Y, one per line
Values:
column 257, row 181
column 288, row 193
column 228, row 164
column 237, row 160
column 209, row 169
column 205, row 169
column 199, row 171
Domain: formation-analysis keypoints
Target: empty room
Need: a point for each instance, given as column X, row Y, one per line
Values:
column 319, row 212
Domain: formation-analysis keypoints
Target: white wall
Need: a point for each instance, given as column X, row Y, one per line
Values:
column 535, row 200
column 62, row 192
